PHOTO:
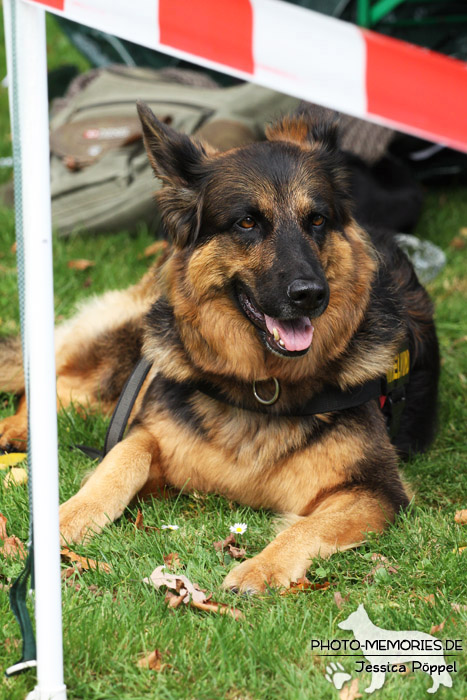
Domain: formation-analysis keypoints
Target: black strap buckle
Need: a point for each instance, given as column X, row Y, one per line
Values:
column 395, row 403
column 394, row 388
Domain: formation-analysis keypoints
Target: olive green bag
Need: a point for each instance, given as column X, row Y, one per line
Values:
column 101, row 180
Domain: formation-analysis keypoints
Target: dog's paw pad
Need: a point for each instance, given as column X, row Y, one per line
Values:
column 336, row 675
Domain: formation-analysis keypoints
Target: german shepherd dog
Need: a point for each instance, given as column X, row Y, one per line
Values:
column 271, row 292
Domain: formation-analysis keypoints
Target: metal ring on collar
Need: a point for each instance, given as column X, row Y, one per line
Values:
column 267, row 402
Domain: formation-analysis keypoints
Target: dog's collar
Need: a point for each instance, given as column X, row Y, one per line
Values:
column 331, row 398
column 390, row 387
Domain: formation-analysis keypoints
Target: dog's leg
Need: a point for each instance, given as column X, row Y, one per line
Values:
column 338, row 523
column 14, row 429
column 70, row 389
column 108, row 491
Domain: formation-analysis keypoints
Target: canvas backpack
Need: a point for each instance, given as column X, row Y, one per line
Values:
column 101, row 180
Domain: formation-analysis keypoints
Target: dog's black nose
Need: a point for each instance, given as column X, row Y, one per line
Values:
column 307, row 294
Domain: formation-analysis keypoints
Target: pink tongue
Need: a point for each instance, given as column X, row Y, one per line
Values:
column 296, row 334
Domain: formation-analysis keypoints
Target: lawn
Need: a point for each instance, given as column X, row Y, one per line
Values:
column 111, row 619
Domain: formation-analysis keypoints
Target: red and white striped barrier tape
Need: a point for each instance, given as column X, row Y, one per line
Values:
column 299, row 52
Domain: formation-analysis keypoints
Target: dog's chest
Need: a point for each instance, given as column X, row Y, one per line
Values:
column 269, row 468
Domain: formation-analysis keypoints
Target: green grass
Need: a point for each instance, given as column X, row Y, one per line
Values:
column 266, row 655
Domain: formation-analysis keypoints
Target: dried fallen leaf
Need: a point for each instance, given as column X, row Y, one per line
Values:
column 11, row 643
column 3, row 522
column 70, row 576
column 85, row 562
column 339, row 599
column 172, row 599
column 223, row 544
column 437, row 628
column 13, row 547
column 236, row 552
column 188, row 593
column 304, row 584
column 172, row 561
column 11, row 459
column 80, row 264
column 222, row 608
column 401, row 671
column 155, row 248
column 74, row 584
column 457, row 607
column 179, row 582
column 230, row 547
column 457, row 341
column 383, row 563
column 461, row 517
column 139, row 520
column 71, row 572
column 14, row 247
column 430, row 599
column 15, row 477
column 139, row 524
column 350, row 692
column 153, row 661
column 457, row 243
column 380, row 557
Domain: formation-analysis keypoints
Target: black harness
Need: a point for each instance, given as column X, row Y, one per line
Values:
column 390, row 390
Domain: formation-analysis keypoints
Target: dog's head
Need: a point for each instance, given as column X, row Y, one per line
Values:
column 265, row 244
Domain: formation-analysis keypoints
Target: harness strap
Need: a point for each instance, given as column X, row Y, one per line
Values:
column 333, row 399
column 125, row 404
column 122, row 411
column 18, row 593
column 391, row 386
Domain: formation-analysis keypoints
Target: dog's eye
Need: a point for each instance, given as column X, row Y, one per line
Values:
column 246, row 223
column 318, row 221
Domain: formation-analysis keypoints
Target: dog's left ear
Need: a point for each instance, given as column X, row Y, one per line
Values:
column 178, row 162
column 308, row 126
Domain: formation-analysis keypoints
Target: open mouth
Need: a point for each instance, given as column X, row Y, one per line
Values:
column 286, row 337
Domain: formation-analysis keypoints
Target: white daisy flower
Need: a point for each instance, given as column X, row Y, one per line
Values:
column 238, row 528
column 169, row 527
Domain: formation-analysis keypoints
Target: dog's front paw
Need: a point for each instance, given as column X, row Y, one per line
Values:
column 14, row 433
column 80, row 520
column 261, row 572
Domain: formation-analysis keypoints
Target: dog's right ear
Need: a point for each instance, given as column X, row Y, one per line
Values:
column 178, row 162
column 309, row 125
column 175, row 158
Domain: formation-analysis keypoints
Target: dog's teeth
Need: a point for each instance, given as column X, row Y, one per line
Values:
column 277, row 337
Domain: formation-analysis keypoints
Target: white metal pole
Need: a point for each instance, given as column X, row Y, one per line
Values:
column 33, row 132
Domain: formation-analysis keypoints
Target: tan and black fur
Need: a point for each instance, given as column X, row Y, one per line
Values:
column 265, row 230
